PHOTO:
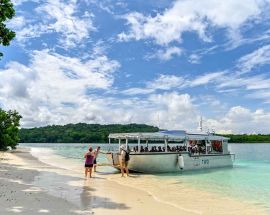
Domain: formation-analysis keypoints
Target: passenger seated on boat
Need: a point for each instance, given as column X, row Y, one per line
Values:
column 142, row 149
column 163, row 149
column 146, row 149
column 153, row 149
column 159, row 149
column 173, row 149
column 168, row 148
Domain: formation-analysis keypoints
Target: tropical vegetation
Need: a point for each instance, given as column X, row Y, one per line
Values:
column 9, row 129
column 248, row 138
column 7, row 12
column 78, row 133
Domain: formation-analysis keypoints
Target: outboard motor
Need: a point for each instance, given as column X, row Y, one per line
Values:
column 181, row 161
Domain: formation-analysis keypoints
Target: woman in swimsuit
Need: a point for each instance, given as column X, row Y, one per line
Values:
column 89, row 161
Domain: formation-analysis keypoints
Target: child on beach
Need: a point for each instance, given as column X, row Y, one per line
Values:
column 89, row 161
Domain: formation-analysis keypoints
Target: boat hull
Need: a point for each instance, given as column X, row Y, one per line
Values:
column 171, row 162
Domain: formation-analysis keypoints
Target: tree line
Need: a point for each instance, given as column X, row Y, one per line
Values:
column 78, row 133
column 248, row 138
column 96, row 133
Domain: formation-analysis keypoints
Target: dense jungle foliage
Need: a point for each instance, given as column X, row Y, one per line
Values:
column 248, row 138
column 78, row 133
column 9, row 129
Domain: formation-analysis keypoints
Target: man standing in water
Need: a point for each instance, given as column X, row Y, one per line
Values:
column 95, row 160
column 123, row 159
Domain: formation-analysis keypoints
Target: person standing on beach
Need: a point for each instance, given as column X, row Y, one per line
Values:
column 95, row 160
column 89, row 161
column 124, row 158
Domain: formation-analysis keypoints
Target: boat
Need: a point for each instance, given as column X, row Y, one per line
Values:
column 171, row 151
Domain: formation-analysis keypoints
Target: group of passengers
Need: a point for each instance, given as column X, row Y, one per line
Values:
column 197, row 149
column 160, row 149
column 91, row 160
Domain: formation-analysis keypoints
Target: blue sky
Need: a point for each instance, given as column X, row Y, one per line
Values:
column 164, row 63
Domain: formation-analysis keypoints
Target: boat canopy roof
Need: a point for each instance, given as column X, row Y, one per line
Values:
column 171, row 135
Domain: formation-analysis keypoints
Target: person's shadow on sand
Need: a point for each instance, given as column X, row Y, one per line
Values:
column 90, row 201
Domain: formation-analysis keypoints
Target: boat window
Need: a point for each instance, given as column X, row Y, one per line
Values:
column 216, row 145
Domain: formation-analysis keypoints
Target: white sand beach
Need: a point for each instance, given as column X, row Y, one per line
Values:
column 29, row 186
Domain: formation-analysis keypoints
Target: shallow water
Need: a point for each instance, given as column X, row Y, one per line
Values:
column 248, row 180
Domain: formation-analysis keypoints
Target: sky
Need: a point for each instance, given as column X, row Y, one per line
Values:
column 160, row 62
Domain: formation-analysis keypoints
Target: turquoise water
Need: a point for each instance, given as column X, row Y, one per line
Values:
column 248, row 180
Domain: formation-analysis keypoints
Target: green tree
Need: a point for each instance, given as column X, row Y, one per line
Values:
column 9, row 129
column 6, row 12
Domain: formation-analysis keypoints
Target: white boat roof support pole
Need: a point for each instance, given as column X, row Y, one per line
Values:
column 119, row 144
column 126, row 143
column 139, row 144
column 187, row 143
column 166, row 144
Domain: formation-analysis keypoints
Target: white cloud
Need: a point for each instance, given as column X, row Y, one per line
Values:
column 19, row 2
column 193, row 16
column 166, row 54
column 58, row 16
column 194, row 58
column 166, row 82
column 17, row 22
column 206, row 78
column 241, row 120
column 136, row 91
column 50, row 82
column 163, row 82
column 257, row 58
column 51, row 90
column 261, row 94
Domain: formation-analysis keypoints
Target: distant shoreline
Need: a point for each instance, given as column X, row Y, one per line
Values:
column 135, row 143
column 96, row 133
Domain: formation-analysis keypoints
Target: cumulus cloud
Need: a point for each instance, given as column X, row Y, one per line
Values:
column 241, row 120
column 50, row 81
column 192, row 16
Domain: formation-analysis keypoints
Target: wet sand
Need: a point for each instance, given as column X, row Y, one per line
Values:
column 29, row 186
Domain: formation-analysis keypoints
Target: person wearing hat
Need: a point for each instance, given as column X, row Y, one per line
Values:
column 123, row 159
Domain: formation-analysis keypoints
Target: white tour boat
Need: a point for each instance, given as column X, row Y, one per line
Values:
column 171, row 151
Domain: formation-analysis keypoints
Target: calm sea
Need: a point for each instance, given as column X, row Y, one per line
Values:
column 249, row 179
